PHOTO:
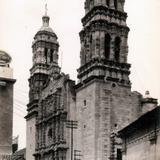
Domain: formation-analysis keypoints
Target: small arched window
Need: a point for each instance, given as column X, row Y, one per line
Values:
column 84, row 54
column 107, row 44
column 117, row 48
column 50, row 133
column 115, row 4
column 51, row 56
column 85, row 43
column 108, row 2
column 46, row 54
column 90, row 40
column 85, row 58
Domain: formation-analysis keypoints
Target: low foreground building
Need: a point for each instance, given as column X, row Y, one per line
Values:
column 141, row 139
column 6, row 105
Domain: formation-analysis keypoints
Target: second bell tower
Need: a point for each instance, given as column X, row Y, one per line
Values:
column 45, row 62
column 104, row 99
column 104, row 46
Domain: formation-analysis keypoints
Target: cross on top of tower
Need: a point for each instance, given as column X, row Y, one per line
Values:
column 45, row 18
column 46, row 9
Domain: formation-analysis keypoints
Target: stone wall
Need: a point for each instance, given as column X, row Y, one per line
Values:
column 103, row 108
column 31, row 131
column 85, row 104
column 142, row 147
column 6, row 116
column 141, row 139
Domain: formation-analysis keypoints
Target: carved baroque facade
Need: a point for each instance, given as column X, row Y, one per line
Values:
column 51, row 98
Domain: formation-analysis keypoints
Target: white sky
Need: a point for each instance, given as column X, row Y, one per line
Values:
column 21, row 19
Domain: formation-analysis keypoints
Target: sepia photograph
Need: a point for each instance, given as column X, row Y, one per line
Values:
column 79, row 80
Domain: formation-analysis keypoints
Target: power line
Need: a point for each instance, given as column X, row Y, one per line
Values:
column 21, row 92
column 16, row 107
column 18, row 93
column 20, row 102
column 19, row 115
column 15, row 102
column 16, row 89
column 19, row 112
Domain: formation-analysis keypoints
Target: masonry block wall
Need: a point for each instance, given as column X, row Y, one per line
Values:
column 140, row 146
column 31, row 137
column 6, row 116
column 103, row 108
column 142, row 137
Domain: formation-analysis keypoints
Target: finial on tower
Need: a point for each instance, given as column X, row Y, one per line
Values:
column 46, row 9
column 45, row 18
column 147, row 94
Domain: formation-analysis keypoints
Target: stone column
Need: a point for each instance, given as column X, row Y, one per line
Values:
column 112, row 4
column 112, row 54
column 102, row 44
column 94, row 45
column 97, row 45
column 124, row 50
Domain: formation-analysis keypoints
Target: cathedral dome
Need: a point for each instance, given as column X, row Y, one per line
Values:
column 5, row 58
column 45, row 26
column 45, row 33
column 45, row 29
column 48, row 29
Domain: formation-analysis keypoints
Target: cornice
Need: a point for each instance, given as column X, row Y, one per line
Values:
column 91, row 79
column 103, row 10
column 46, row 33
column 8, row 80
column 104, row 65
column 36, row 41
column 104, row 25
column 52, row 116
column 54, row 147
column 31, row 114
column 31, row 105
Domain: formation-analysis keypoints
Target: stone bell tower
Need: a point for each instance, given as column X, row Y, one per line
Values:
column 104, row 46
column 45, row 60
column 104, row 99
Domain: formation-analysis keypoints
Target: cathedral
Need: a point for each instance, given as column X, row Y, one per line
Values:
column 80, row 121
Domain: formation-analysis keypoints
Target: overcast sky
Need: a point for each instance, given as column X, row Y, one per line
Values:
column 21, row 19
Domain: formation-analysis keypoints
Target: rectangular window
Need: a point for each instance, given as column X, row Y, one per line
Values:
column 119, row 154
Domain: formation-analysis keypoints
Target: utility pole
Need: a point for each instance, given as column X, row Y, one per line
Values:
column 72, row 125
